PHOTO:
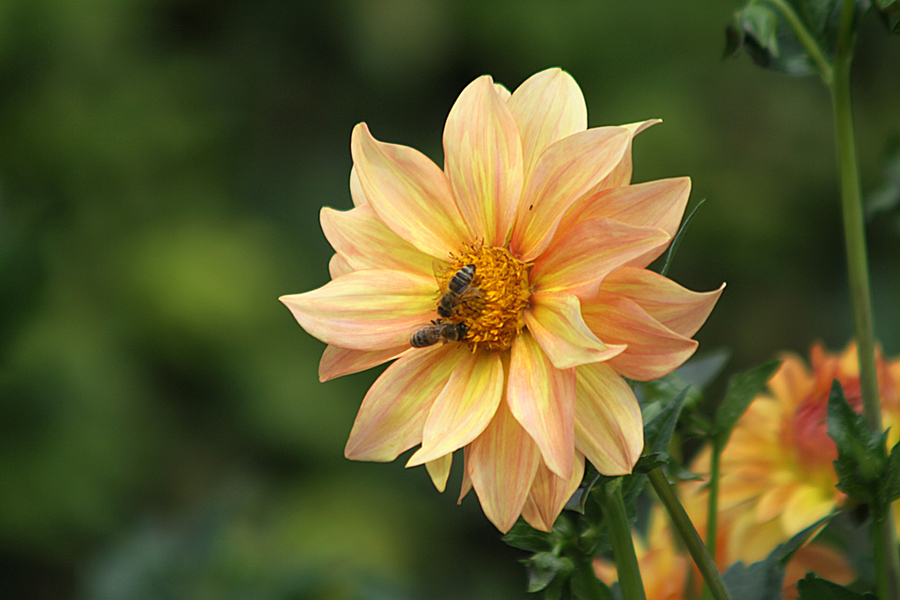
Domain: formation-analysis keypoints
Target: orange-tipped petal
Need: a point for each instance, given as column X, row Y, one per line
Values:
column 579, row 260
column 566, row 170
column 659, row 203
column 338, row 266
column 483, row 158
column 366, row 243
column 392, row 415
column 608, row 426
column 408, row 192
column 337, row 362
column 621, row 174
column 548, row 106
column 678, row 308
column 555, row 321
column 549, row 495
column 542, row 399
column 465, row 406
column 365, row 310
column 653, row 349
column 501, row 464
column 439, row 470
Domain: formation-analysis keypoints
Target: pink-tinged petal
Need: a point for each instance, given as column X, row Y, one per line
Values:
column 483, row 158
column 337, row 362
column 356, row 191
column 659, row 203
column 393, row 413
column 678, row 308
column 566, row 170
column 465, row 406
column 542, row 399
column 608, row 425
column 439, row 471
column 549, row 495
column 502, row 91
column 548, row 106
column 579, row 260
column 366, row 310
column 408, row 192
column 501, row 464
column 338, row 266
column 653, row 350
column 555, row 321
column 466, row 486
column 365, row 242
column 621, row 175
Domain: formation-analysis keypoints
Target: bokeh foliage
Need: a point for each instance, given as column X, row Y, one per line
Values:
column 162, row 165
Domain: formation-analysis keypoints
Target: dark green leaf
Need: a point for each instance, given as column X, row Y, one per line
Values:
column 544, row 568
column 658, row 430
column 862, row 459
column 892, row 481
column 887, row 196
column 677, row 241
column 761, row 22
column 524, row 537
column 813, row 587
column 587, row 586
column 648, row 462
column 742, row 389
column 700, row 371
column 734, row 39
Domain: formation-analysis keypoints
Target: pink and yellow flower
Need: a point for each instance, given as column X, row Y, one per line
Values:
column 562, row 306
column 777, row 475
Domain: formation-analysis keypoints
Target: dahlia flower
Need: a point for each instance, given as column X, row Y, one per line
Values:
column 776, row 473
column 542, row 243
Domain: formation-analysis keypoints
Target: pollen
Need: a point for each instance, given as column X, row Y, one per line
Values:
column 493, row 306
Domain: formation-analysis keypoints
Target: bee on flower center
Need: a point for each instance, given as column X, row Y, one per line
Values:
column 458, row 290
column 439, row 331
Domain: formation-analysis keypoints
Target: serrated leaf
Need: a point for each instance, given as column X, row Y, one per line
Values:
column 813, row 587
column 524, row 537
column 892, row 481
column 742, row 389
column 861, row 458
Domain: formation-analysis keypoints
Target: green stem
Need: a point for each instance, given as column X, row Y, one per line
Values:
column 630, row 582
column 712, row 507
column 689, row 535
column 809, row 42
column 884, row 540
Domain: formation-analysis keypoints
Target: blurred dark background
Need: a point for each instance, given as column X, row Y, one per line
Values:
column 162, row 165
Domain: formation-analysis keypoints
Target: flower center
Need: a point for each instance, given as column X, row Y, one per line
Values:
column 493, row 304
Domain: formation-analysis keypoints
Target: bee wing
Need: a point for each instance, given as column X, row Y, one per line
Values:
column 440, row 270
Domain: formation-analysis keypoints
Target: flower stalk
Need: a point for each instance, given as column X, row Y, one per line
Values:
column 884, row 540
column 712, row 507
column 629, row 573
column 689, row 535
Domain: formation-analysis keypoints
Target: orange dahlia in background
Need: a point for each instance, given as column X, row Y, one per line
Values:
column 776, row 473
column 542, row 243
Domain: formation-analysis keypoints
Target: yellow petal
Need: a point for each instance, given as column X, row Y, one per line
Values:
column 808, row 505
column 464, row 407
column 542, row 399
column 408, row 192
column 501, row 464
column 466, row 482
column 336, row 362
column 555, row 321
column 392, row 415
column 621, row 174
column 548, row 106
column 653, row 350
column 579, row 260
column 338, row 266
column 549, row 495
column 483, row 158
column 675, row 307
column 366, row 243
column 608, row 426
column 439, row 471
column 566, row 170
column 366, row 310
column 659, row 204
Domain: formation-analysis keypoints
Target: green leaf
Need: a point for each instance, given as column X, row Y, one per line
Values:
column 587, row 586
column 761, row 22
column 886, row 197
column 658, row 431
column 813, row 587
column 544, row 568
column 524, row 537
column 678, row 236
column 700, row 371
column 892, row 481
column 742, row 389
column 862, row 459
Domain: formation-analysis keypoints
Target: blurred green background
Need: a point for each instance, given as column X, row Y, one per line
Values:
column 162, row 165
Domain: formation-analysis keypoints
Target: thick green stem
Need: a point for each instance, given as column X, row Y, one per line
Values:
column 689, row 535
column 613, row 505
column 884, row 540
column 712, row 506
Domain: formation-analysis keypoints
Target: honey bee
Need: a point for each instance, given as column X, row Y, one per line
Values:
column 438, row 331
column 458, row 289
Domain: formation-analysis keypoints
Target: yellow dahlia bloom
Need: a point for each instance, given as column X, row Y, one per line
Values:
column 777, row 475
column 556, row 306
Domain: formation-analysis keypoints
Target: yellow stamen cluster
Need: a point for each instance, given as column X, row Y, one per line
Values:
column 494, row 306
